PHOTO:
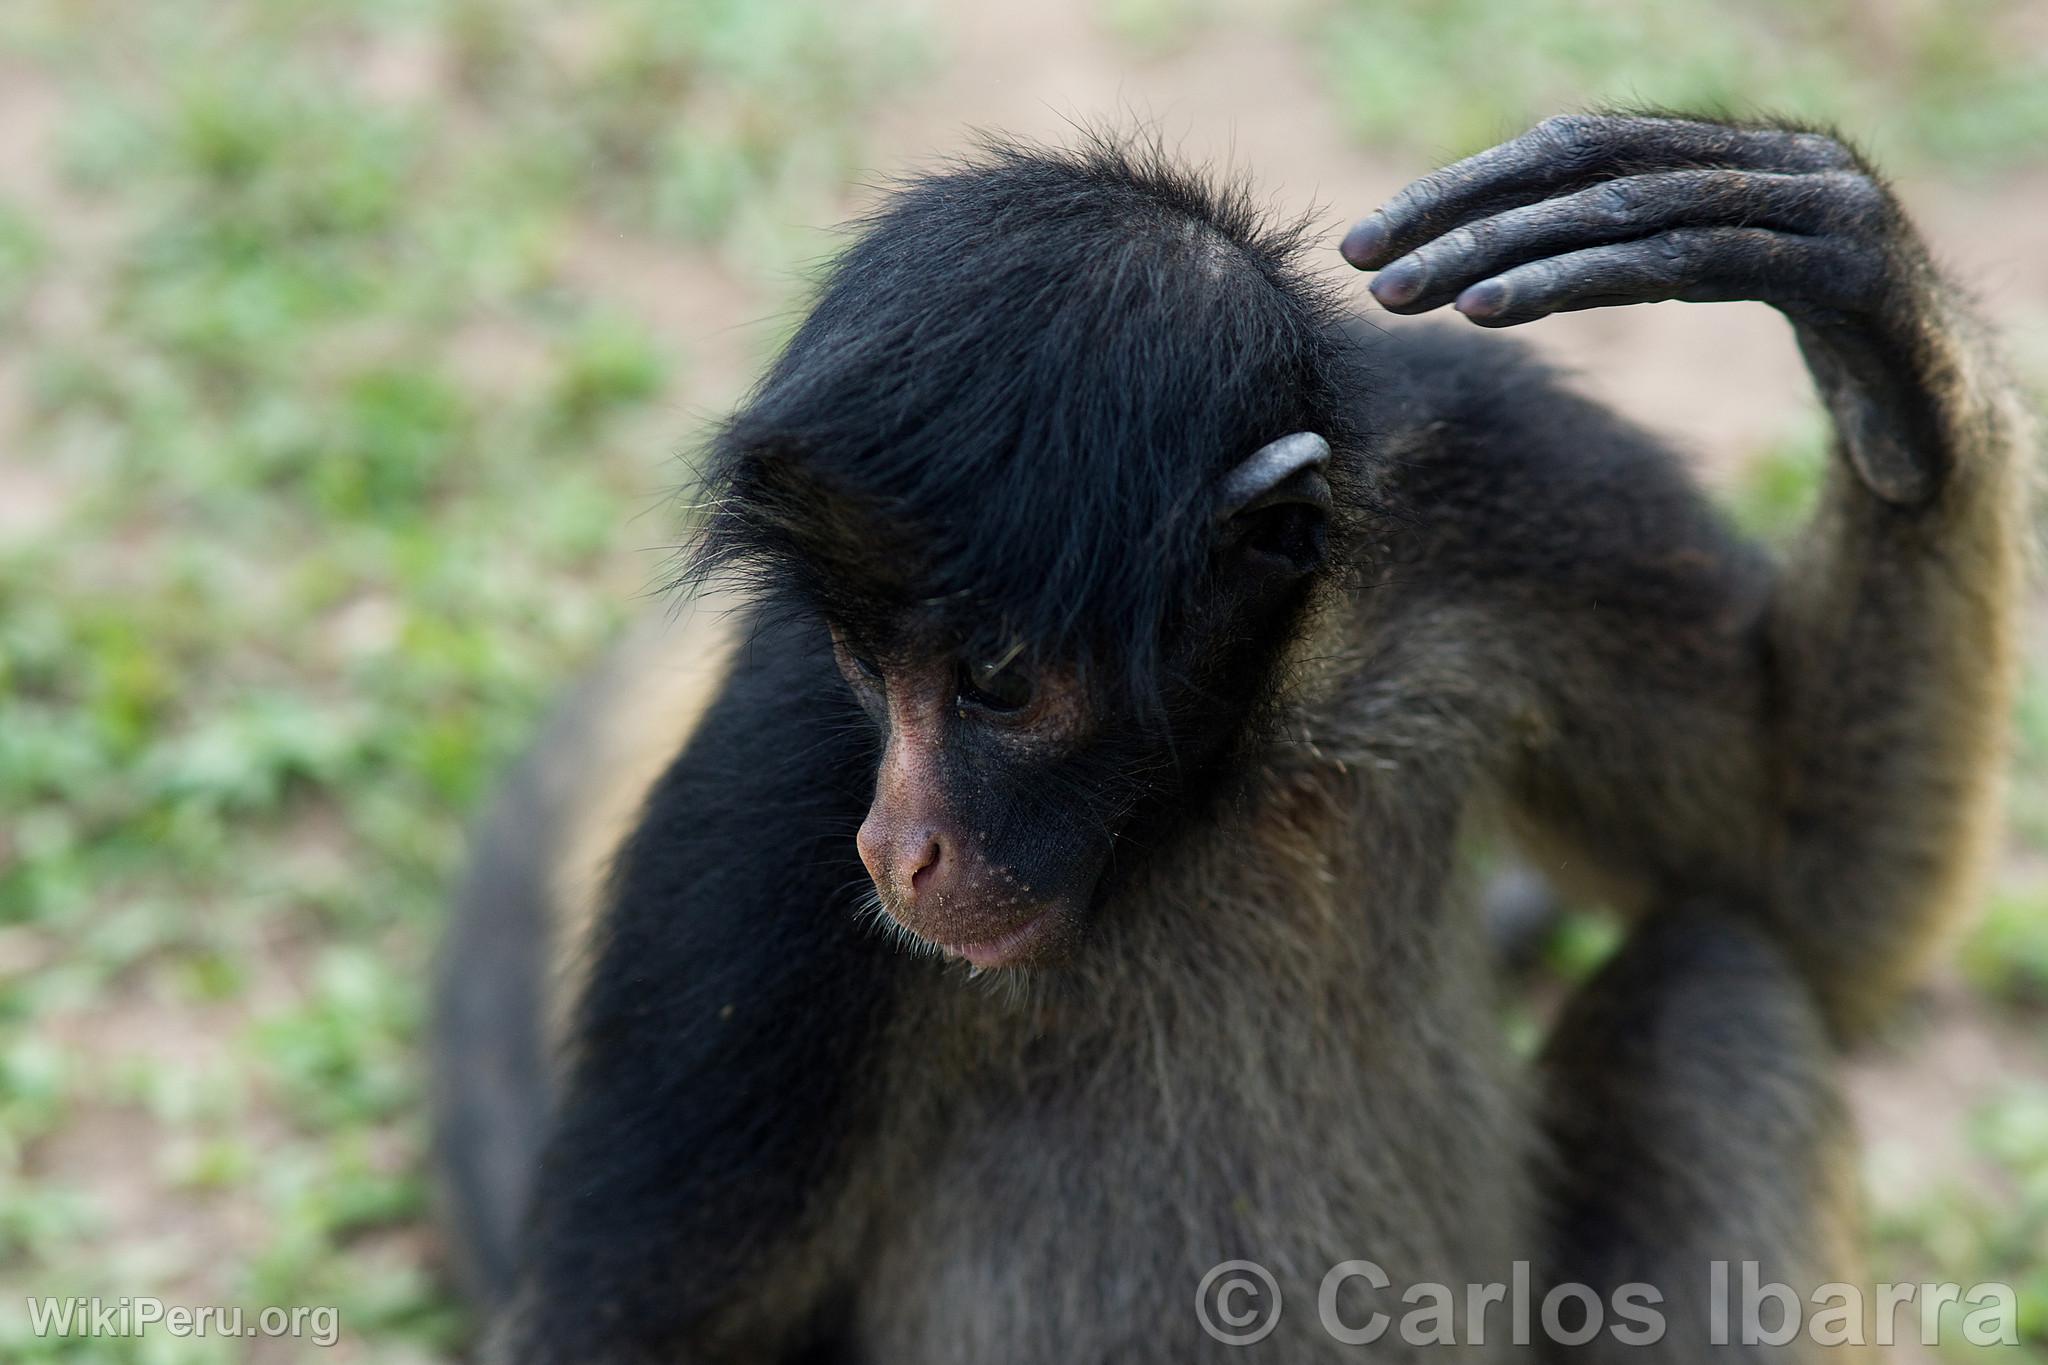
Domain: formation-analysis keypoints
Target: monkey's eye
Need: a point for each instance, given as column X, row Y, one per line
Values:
column 854, row 659
column 869, row 669
column 996, row 684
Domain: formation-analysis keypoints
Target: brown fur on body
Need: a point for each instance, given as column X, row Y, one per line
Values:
column 1278, row 1002
column 1897, row 637
column 1282, row 1046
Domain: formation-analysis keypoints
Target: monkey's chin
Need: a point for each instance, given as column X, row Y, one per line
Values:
column 1039, row 941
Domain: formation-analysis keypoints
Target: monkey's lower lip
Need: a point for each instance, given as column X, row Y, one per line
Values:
column 1011, row 948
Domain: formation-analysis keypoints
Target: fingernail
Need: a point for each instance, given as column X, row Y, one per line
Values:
column 1400, row 282
column 1364, row 243
column 1483, row 299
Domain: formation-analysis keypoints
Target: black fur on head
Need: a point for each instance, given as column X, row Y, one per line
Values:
column 1007, row 414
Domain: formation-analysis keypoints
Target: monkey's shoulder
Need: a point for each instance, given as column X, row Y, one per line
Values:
column 1459, row 398
column 1488, row 462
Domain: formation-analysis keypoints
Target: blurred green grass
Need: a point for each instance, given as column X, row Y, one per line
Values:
column 1960, row 84
column 344, row 440
column 337, row 436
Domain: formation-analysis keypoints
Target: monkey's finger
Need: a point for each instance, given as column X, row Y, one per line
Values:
column 1698, row 265
column 1570, row 152
column 1624, row 210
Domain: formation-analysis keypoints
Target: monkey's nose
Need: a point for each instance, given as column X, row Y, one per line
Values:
column 910, row 863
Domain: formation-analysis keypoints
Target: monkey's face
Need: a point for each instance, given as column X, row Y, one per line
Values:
column 996, row 802
column 1006, row 781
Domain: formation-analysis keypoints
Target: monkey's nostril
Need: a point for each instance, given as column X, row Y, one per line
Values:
column 925, row 866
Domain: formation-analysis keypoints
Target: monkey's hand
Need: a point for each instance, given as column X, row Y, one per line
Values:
column 1594, row 210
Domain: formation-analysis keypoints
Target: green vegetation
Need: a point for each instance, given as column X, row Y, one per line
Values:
column 341, row 440
column 1956, row 1231
column 328, row 426
column 1951, row 83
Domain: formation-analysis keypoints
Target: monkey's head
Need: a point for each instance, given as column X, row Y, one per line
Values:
column 1057, row 462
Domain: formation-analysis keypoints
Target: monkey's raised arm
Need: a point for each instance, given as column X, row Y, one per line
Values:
column 1874, row 675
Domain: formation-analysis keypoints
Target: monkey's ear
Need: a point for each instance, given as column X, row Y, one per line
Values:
column 1275, row 507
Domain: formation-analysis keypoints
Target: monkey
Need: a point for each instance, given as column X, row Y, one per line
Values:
column 1028, row 876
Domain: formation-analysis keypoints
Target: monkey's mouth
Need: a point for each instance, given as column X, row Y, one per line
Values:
column 1024, row 946
column 1041, row 938
column 992, row 921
